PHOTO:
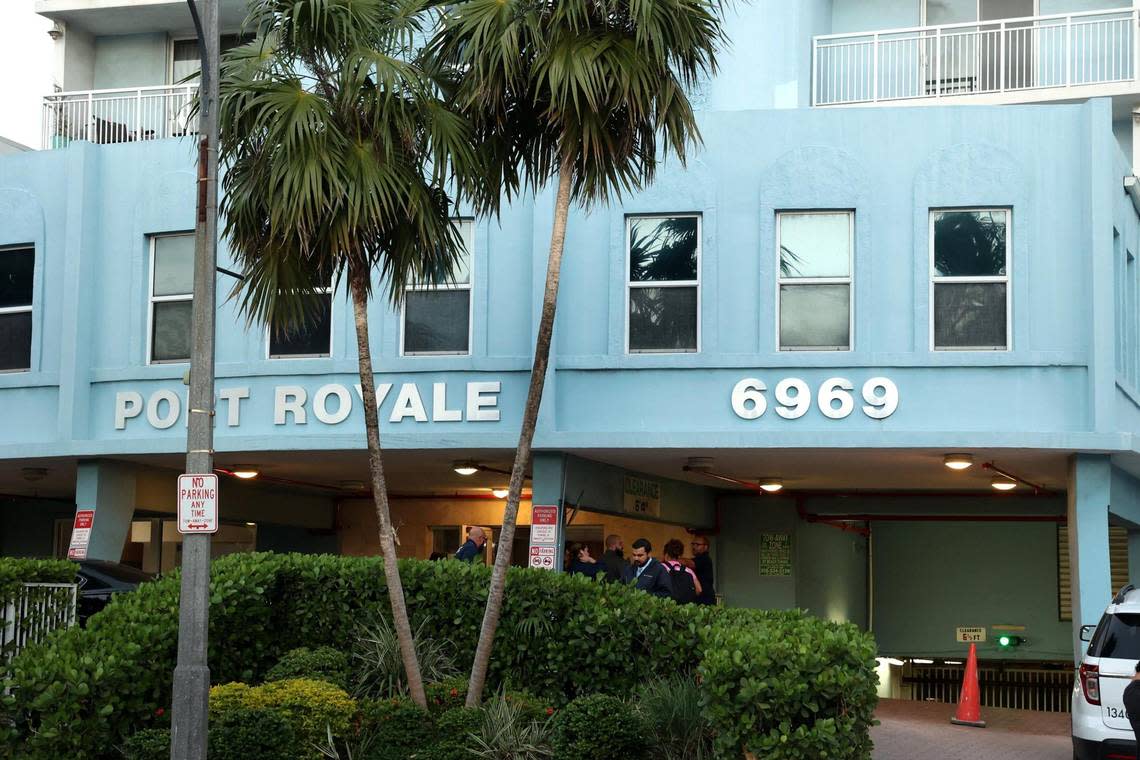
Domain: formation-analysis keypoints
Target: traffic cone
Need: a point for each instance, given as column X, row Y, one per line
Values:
column 970, row 700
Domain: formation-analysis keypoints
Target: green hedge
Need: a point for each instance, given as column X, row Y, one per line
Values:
column 560, row 636
column 15, row 571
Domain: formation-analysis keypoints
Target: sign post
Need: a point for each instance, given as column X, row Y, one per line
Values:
column 81, row 534
column 543, row 536
column 192, row 673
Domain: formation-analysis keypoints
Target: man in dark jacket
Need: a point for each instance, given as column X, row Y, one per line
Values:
column 612, row 558
column 647, row 573
column 703, row 567
column 472, row 546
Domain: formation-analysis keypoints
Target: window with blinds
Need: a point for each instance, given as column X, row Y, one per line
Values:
column 1117, row 558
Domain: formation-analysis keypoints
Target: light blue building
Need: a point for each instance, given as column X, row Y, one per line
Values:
column 908, row 242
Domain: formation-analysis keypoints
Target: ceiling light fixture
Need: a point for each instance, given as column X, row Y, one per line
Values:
column 958, row 461
column 465, row 468
column 499, row 493
column 1003, row 484
column 771, row 485
column 244, row 471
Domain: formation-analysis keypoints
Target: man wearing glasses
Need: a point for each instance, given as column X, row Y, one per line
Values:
column 703, row 566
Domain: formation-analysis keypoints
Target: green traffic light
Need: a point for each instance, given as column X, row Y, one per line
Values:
column 1004, row 641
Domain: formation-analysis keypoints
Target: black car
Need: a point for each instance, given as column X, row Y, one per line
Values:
column 99, row 580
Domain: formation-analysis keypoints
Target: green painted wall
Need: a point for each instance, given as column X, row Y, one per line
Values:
column 743, row 519
column 931, row 577
column 601, row 487
column 831, row 573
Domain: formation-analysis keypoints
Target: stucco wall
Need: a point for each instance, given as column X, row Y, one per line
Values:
column 130, row 60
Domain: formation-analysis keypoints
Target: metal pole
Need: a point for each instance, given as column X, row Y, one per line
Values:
column 192, row 673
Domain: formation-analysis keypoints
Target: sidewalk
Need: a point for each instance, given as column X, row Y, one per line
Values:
column 912, row 730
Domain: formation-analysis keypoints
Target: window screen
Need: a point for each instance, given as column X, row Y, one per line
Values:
column 664, row 283
column 17, row 270
column 970, row 268
column 815, row 251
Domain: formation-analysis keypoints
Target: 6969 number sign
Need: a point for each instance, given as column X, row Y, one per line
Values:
column 835, row 398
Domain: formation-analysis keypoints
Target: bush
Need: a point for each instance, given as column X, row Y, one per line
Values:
column 677, row 726
column 148, row 744
column 599, row 726
column 396, row 728
column 251, row 734
column 88, row 689
column 16, row 571
column 320, row 664
column 454, row 732
column 796, row 688
column 379, row 665
column 311, row 708
column 509, row 733
column 446, row 695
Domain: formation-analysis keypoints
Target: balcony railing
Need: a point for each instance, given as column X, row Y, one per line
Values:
column 980, row 58
column 115, row 116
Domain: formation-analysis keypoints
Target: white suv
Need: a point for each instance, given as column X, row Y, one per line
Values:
column 1101, row 730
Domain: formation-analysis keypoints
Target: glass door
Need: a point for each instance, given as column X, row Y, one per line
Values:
column 952, row 54
column 1007, row 55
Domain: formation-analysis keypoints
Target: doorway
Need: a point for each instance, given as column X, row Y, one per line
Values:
column 979, row 56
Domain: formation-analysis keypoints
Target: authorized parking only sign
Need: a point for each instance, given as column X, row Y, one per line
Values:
column 197, row 503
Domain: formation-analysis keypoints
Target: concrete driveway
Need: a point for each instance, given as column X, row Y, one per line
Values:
column 917, row 730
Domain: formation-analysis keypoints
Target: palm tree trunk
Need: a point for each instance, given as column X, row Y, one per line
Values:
column 358, row 285
column 526, row 436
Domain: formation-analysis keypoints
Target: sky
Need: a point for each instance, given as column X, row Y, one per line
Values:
column 26, row 62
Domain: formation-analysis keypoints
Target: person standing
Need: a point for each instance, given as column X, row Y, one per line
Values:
column 686, row 586
column 702, row 564
column 646, row 573
column 471, row 548
column 582, row 563
column 613, row 558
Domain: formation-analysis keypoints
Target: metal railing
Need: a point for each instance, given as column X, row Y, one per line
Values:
column 1021, row 687
column 37, row 610
column 115, row 116
column 992, row 57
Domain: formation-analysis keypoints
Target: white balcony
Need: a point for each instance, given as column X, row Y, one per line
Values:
column 1028, row 59
column 116, row 116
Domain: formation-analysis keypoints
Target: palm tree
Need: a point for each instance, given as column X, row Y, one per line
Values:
column 591, row 93
column 338, row 147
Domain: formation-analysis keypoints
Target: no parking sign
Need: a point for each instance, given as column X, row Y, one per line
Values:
column 543, row 536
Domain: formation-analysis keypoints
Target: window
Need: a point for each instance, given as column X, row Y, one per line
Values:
column 814, row 279
column 437, row 317
column 17, row 267
column 312, row 339
column 970, row 279
column 663, row 305
column 171, row 297
column 184, row 55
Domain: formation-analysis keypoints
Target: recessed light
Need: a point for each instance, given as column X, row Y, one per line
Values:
column 958, row 461
column 499, row 493
column 1003, row 484
column 771, row 485
column 244, row 471
column 465, row 468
